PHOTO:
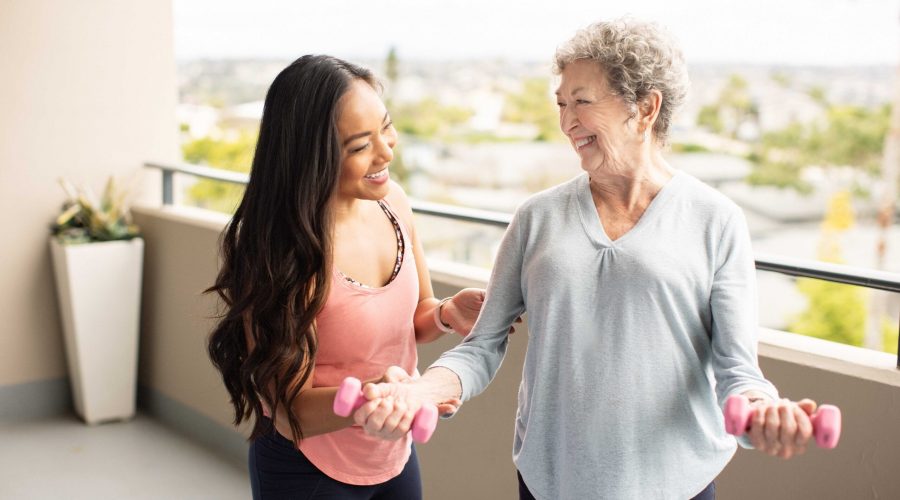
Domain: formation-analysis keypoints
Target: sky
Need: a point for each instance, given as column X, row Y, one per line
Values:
column 789, row 32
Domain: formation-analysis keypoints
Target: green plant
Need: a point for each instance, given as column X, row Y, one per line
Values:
column 84, row 219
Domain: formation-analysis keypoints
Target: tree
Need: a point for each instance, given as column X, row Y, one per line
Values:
column 732, row 108
column 836, row 312
column 890, row 175
column 533, row 105
column 429, row 119
column 399, row 171
column 709, row 118
column 392, row 65
column 392, row 73
column 235, row 155
column 848, row 136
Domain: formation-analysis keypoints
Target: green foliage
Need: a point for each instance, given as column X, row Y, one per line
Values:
column 688, row 148
column 710, row 118
column 391, row 65
column 235, row 155
column 429, row 119
column 734, row 104
column 836, row 312
column 889, row 331
column 85, row 219
column 533, row 105
column 482, row 136
column 735, row 94
column 781, row 79
column 399, row 170
column 817, row 93
column 850, row 136
column 391, row 73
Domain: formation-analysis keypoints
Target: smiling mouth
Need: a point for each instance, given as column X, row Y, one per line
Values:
column 580, row 143
column 377, row 175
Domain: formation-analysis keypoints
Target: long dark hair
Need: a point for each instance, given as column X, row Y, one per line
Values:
column 276, row 252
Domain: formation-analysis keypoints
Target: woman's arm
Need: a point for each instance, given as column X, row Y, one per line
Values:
column 313, row 407
column 460, row 312
column 779, row 427
column 392, row 406
column 735, row 319
column 467, row 369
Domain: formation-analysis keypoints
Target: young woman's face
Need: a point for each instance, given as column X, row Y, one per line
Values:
column 596, row 121
column 367, row 139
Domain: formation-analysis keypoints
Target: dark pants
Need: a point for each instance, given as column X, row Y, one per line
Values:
column 278, row 471
column 709, row 493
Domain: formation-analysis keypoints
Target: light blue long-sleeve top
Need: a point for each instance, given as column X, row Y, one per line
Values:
column 634, row 344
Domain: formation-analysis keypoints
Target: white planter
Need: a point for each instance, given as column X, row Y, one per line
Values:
column 99, row 290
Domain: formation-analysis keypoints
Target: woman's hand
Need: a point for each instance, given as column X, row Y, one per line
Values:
column 394, row 374
column 462, row 310
column 781, row 428
column 392, row 406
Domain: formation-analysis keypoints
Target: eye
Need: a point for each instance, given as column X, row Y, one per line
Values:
column 561, row 105
column 582, row 101
column 389, row 125
column 361, row 148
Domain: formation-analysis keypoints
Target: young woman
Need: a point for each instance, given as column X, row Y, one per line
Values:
column 323, row 277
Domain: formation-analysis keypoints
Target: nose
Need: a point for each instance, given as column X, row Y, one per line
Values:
column 567, row 120
column 386, row 144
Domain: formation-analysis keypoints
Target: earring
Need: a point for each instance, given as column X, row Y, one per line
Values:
column 646, row 135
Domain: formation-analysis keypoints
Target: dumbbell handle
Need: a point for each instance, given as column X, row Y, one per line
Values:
column 349, row 397
column 826, row 421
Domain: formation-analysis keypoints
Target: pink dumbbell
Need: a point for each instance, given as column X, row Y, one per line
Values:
column 826, row 421
column 349, row 397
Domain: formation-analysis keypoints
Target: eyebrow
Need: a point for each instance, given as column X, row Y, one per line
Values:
column 577, row 90
column 363, row 134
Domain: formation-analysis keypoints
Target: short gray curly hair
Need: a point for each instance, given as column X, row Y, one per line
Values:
column 637, row 56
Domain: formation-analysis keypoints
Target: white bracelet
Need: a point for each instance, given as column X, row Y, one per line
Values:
column 437, row 317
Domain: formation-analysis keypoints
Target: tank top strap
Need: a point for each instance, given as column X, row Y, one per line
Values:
column 387, row 207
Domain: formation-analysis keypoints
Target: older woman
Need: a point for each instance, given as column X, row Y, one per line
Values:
column 639, row 285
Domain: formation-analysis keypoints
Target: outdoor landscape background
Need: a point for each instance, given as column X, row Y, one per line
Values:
column 788, row 113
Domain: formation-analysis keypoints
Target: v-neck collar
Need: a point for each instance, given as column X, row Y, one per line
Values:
column 590, row 219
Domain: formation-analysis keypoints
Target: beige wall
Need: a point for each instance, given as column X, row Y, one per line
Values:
column 180, row 262
column 470, row 455
column 87, row 90
column 864, row 465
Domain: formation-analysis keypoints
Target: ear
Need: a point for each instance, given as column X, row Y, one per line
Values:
column 648, row 110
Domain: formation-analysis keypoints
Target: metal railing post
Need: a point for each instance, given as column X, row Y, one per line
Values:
column 168, row 197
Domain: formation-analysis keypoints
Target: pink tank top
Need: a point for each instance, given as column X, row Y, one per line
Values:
column 362, row 331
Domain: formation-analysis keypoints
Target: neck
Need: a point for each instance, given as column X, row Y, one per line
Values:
column 346, row 208
column 631, row 184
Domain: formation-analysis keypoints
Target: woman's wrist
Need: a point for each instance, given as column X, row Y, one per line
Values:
column 438, row 320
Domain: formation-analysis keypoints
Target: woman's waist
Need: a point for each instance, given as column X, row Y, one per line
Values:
column 350, row 452
column 332, row 374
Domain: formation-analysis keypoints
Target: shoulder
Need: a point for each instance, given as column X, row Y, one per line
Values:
column 399, row 203
column 705, row 201
column 717, row 216
column 548, row 201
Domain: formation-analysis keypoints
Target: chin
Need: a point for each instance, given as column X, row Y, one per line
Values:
column 590, row 166
column 375, row 194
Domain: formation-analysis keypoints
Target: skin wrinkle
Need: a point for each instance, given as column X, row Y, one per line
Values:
column 626, row 172
column 639, row 57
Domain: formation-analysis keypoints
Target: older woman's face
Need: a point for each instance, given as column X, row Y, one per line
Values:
column 596, row 121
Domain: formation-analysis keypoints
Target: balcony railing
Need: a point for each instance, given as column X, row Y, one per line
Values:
column 837, row 273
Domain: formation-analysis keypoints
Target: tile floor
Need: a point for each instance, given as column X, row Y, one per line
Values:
column 62, row 458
